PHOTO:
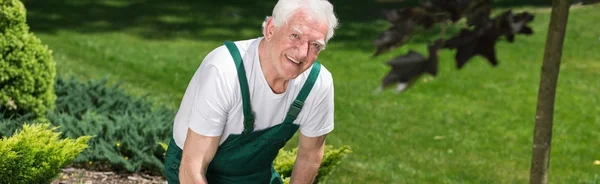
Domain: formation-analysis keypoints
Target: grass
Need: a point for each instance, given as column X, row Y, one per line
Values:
column 469, row 126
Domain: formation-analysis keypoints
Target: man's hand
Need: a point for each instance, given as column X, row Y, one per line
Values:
column 198, row 152
column 308, row 161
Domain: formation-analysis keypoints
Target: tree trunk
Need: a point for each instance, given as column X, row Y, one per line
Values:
column 543, row 121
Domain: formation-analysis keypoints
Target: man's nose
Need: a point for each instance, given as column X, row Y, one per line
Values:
column 302, row 51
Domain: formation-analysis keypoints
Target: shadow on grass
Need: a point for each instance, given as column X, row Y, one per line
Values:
column 361, row 20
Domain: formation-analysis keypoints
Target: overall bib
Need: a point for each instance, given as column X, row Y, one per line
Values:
column 247, row 157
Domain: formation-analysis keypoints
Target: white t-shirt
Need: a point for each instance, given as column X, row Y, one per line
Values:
column 212, row 103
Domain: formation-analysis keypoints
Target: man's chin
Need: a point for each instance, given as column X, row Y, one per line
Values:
column 289, row 73
column 290, row 76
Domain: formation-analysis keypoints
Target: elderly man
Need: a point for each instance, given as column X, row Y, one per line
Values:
column 249, row 97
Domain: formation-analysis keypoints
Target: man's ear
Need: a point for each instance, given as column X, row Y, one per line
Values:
column 269, row 28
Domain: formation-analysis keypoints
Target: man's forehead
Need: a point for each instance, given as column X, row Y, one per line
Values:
column 301, row 19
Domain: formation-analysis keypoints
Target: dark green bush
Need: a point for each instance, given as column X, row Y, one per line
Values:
column 76, row 98
column 27, row 71
column 127, row 129
column 36, row 154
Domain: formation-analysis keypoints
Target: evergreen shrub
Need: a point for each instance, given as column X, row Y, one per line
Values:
column 36, row 154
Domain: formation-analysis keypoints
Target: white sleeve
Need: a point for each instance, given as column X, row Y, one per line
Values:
column 211, row 101
column 320, row 117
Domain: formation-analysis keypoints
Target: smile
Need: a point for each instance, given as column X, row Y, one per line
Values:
column 293, row 60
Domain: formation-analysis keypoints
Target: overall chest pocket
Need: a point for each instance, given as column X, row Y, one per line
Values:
column 276, row 139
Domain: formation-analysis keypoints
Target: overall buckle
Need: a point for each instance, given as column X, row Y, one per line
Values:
column 295, row 108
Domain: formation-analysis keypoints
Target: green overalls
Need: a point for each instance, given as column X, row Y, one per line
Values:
column 247, row 157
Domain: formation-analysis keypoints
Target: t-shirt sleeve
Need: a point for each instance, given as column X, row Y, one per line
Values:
column 320, row 117
column 211, row 101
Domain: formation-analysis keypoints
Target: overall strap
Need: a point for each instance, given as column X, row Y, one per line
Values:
column 296, row 106
column 248, row 114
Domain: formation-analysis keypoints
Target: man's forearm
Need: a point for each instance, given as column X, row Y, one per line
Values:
column 306, row 168
column 197, row 154
column 191, row 173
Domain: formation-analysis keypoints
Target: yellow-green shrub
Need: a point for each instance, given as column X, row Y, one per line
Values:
column 35, row 154
column 286, row 180
column 284, row 162
column 27, row 71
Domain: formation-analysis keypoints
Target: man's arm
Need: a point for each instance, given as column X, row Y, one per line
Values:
column 308, row 160
column 198, row 152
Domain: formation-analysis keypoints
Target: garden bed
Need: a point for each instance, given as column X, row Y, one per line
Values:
column 83, row 176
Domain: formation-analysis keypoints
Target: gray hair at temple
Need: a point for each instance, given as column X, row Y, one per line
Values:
column 319, row 9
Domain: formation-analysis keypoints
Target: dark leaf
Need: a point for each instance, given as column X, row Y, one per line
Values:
column 432, row 65
column 394, row 37
column 405, row 68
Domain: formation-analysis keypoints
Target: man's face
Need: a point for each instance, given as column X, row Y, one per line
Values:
column 294, row 46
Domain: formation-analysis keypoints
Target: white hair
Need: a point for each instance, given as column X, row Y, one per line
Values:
column 319, row 9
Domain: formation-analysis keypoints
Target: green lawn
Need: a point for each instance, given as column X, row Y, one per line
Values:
column 469, row 126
